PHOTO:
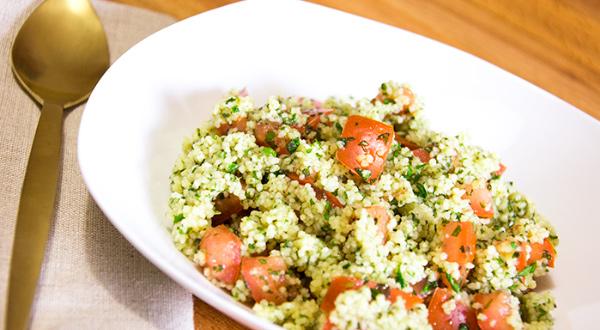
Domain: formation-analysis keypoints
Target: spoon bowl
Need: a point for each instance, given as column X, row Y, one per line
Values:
column 60, row 52
column 58, row 56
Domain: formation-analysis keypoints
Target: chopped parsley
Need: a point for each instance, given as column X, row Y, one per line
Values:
column 232, row 167
column 400, row 279
column 429, row 286
column 327, row 210
column 177, row 218
column 235, row 109
column 339, row 127
column 455, row 286
column 292, row 146
column 345, row 140
column 262, row 261
column 527, row 270
column 456, row 231
column 269, row 152
column 421, row 192
column 463, row 326
column 270, row 136
column 364, row 174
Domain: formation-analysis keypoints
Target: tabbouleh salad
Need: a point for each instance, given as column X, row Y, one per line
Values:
column 352, row 214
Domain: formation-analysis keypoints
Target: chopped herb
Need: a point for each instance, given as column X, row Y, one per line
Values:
column 429, row 286
column 456, row 231
column 463, row 326
column 269, row 152
column 346, row 266
column 178, row 218
column 364, row 174
column 516, row 254
column 292, row 146
column 345, row 140
column 306, row 172
column 513, row 245
column 453, row 283
column 363, row 143
column 527, row 270
column 231, row 168
column 375, row 292
column 421, row 192
column 290, row 120
column 339, row 127
column 384, row 137
column 235, row 109
column 262, row 261
column 388, row 101
column 399, row 278
column 229, row 100
column 409, row 172
column 383, row 88
column 327, row 210
column 270, row 136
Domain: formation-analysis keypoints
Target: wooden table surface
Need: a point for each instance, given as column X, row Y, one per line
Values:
column 554, row 44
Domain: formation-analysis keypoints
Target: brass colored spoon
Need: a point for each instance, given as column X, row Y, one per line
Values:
column 58, row 56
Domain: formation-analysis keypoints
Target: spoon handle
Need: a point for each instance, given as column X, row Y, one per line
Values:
column 36, row 208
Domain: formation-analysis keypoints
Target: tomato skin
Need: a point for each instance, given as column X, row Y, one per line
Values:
column 459, row 244
column 367, row 144
column 222, row 250
column 422, row 155
column 259, row 272
column 239, row 125
column 500, row 170
column 537, row 251
column 263, row 130
column 496, row 308
column 382, row 218
column 228, row 206
column 335, row 202
column 410, row 300
column 406, row 142
column 439, row 320
column 339, row 285
column 480, row 199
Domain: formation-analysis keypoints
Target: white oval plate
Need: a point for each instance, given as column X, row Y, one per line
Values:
column 164, row 87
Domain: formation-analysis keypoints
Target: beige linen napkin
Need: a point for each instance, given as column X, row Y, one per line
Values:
column 92, row 277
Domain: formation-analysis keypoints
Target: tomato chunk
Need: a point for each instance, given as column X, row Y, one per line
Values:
column 422, row 155
column 496, row 308
column 266, row 134
column 339, row 285
column 227, row 207
column 367, row 143
column 239, row 125
column 459, row 243
column 480, row 199
column 438, row 318
column 265, row 277
column 501, row 170
column 318, row 191
column 382, row 218
column 410, row 300
column 543, row 250
column 222, row 250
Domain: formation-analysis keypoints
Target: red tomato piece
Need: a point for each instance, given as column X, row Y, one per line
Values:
column 335, row 202
column 367, row 143
column 328, row 325
column 239, row 125
column 522, row 258
column 266, row 134
column 265, row 277
column 410, row 300
column 406, row 142
column 422, row 155
column 496, row 308
column 543, row 250
column 333, row 199
column 501, row 170
column 439, row 320
column 480, row 199
column 382, row 218
column 222, row 250
column 228, row 206
column 459, row 243
column 339, row 285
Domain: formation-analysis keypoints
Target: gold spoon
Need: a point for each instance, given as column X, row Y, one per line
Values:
column 59, row 55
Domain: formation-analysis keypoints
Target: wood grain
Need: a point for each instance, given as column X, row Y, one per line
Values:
column 555, row 44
